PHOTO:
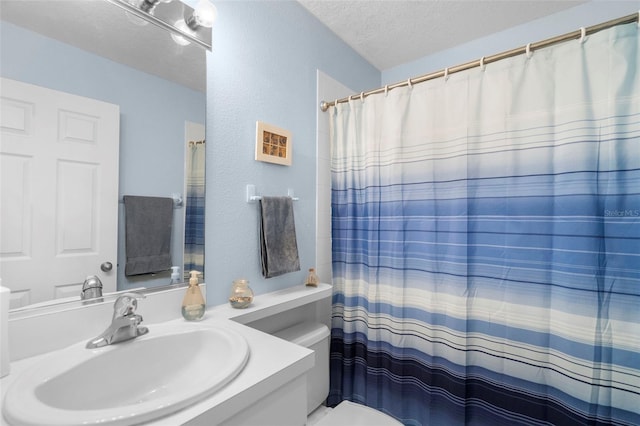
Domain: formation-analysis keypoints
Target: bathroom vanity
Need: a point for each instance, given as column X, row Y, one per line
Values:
column 269, row 390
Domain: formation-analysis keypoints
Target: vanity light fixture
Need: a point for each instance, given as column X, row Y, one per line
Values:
column 185, row 24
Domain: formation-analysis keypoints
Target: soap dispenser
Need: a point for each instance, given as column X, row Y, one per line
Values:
column 193, row 305
column 175, row 275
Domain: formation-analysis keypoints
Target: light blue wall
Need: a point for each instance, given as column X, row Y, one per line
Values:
column 152, row 116
column 263, row 67
column 563, row 22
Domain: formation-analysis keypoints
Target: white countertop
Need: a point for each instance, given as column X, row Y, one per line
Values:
column 269, row 304
column 272, row 362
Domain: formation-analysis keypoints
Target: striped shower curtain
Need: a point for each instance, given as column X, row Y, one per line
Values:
column 194, row 214
column 486, row 242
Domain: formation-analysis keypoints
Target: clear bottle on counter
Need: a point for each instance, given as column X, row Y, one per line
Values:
column 193, row 305
column 241, row 294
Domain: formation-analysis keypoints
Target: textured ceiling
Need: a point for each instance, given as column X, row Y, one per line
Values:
column 388, row 33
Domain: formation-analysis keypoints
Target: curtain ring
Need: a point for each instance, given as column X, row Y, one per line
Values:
column 583, row 34
column 362, row 97
column 409, row 83
column 528, row 51
column 482, row 66
column 446, row 74
column 386, row 90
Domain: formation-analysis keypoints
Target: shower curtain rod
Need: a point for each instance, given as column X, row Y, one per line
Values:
column 578, row 34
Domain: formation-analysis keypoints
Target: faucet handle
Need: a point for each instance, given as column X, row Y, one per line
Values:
column 126, row 304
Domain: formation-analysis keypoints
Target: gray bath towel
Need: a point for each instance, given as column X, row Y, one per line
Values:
column 278, row 245
column 148, row 222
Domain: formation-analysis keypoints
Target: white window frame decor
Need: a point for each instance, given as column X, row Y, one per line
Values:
column 273, row 144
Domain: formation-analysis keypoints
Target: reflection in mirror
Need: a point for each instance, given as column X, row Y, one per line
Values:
column 194, row 215
column 98, row 62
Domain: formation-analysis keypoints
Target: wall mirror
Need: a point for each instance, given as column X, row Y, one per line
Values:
column 97, row 50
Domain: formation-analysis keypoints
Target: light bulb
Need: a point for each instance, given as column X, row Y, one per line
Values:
column 203, row 15
column 180, row 24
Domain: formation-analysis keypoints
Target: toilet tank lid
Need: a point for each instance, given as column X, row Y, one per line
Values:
column 304, row 334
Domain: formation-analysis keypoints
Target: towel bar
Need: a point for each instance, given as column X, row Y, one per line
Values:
column 178, row 202
column 252, row 197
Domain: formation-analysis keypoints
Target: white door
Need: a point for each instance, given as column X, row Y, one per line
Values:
column 59, row 192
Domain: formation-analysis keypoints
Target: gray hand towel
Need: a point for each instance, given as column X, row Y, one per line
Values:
column 278, row 245
column 148, row 222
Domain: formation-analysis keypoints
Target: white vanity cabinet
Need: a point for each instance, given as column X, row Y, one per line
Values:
column 270, row 390
column 281, row 399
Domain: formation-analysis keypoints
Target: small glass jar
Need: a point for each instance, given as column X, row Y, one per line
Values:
column 241, row 294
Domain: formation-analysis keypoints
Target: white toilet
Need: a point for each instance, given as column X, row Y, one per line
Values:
column 316, row 337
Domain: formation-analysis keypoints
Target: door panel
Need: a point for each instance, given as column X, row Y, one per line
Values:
column 59, row 201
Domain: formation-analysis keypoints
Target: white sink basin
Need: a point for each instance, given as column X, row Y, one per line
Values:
column 139, row 380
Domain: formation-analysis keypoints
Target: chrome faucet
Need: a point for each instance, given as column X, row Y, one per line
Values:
column 91, row 288
column 125, row 322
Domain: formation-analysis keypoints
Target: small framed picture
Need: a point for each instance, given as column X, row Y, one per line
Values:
column 273, row 144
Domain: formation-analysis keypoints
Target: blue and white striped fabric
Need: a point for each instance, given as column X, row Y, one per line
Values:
column 194, row 214
column 486, row 242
